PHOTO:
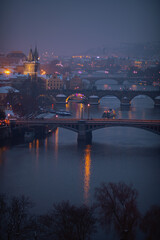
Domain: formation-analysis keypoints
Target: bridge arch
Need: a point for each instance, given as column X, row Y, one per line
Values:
column 155, row 130
column 108, row 81
column 91, row 128
column 158, row 97
column 79, row 97
column 108, row 99
column 126, row 82
column 143, row 97
column 97, row 77
column 157, row 101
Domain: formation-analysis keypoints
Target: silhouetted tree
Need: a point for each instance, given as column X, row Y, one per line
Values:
column 3, row 213
column 84, row 221
column 18, row 216
column 150, row 223
column 67, row 222
column 45, row 226
column 11, row 97
column 15, row 220
column 118, row 208
column 2, row 115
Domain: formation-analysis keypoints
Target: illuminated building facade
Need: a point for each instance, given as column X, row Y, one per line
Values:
column 31, row 66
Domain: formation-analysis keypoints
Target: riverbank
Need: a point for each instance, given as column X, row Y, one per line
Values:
column 10, row 134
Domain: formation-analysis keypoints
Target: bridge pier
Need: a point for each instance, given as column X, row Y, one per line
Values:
column 61, row 99
column 83, row 135
column 93, row 100
column 125, row 101
column 157, row 102
column 85, row 138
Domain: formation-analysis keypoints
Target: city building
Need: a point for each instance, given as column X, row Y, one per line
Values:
column 3, row 94
column 76, row 82
column 12, row 58
column 54, row 82
column 4, row 80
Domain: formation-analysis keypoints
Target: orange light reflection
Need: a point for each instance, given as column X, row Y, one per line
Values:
column 56, row 143
column 87, row 173
column 2, row 150
column 46, row 144
column 37, row 151
column 30, row 146
column 67, row 107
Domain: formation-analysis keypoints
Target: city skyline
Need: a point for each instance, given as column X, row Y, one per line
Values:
column 73, row 27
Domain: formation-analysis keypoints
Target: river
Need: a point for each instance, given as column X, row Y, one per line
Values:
column 55, row 168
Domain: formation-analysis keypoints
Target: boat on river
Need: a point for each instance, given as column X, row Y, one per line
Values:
column 109, row 113
column 63, row 113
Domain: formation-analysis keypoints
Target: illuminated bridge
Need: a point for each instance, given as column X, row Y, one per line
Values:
column 125, row 97
column 84, row 127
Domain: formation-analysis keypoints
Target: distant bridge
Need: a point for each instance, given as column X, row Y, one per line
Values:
column 117, row 77
column 84, row 127
column 125, row 96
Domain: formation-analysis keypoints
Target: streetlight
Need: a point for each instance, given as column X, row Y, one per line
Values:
column 88, row 109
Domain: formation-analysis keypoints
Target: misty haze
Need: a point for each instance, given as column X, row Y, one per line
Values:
column 79, row 120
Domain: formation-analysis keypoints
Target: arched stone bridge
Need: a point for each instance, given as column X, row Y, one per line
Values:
column 125, row 97
column 84, row 127
column 93, row 78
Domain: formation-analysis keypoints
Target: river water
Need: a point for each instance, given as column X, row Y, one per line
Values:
column 55, row 168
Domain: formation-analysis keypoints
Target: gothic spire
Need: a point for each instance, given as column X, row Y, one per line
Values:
column 36, row 54
column 30, row 56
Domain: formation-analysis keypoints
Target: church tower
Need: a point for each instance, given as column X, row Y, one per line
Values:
column 31, row 66
column 35, row 56
column 30, row 56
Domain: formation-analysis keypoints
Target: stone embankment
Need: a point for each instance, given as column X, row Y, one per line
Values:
column 5, row 132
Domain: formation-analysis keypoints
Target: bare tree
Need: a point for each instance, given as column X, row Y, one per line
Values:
column 67, row 222
column 150, row 223
column 18, row 216
column 118, row 208
column 64, row 226
column 2, row 115
column 46, row 227
column 84, row 220
column 3, row 213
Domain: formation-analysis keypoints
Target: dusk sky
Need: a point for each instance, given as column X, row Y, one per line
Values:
column 73, row 26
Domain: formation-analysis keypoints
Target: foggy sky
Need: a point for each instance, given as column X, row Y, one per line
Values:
column 72, row 26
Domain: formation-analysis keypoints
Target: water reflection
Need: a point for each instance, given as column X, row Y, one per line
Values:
column 37, row 152
column 130, row 115
column 87, row 167
column 46, row 144
column 117, row 157
column 79, row 110
column 67, row 107
column 34, row 143
column 2, row 150
column 56, row 143
column 30, row 146
column 75, row 108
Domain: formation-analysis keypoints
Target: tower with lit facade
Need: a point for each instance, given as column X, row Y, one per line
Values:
column 31, row 66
